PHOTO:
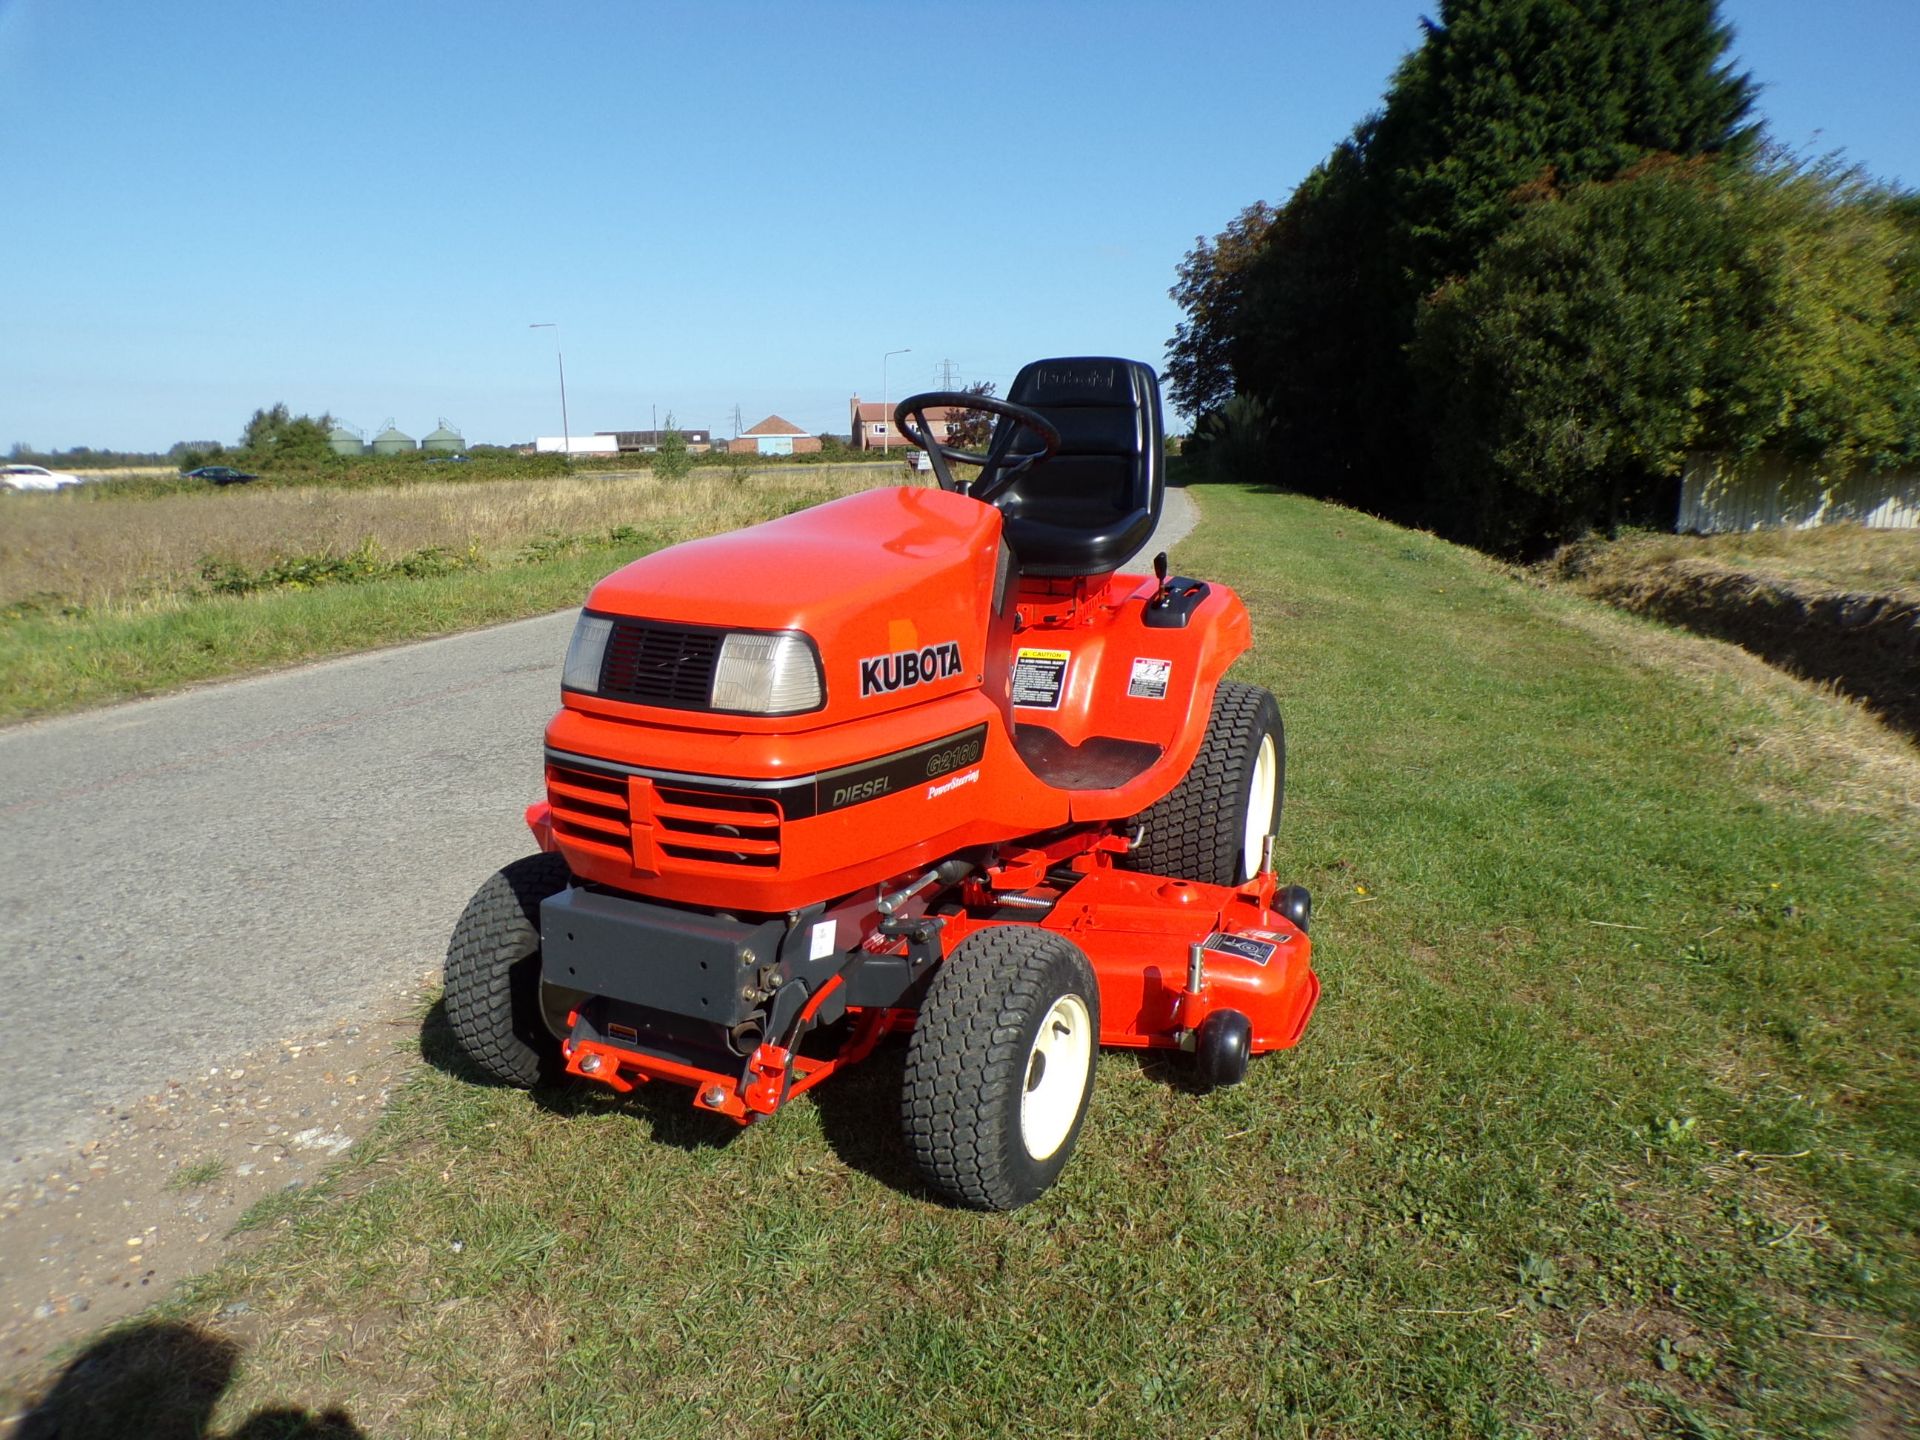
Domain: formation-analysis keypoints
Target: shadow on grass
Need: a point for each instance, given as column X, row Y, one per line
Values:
column 1171, row 1068
column 860, row 1117
column 859, row 1109
column 161, row 1381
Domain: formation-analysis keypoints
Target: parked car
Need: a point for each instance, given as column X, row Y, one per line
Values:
column 448, row 459
column 34, row 477
column 221, row 475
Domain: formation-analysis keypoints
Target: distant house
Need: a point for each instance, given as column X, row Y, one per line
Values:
column 774, row 436
column 873, row 427
column 647, row 441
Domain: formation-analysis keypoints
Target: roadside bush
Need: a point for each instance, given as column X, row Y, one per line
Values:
column 1234, row 443
column 305, row 572
column 1565, row 376
column 671, row 461
column 1616, row 326
column 1831, row 308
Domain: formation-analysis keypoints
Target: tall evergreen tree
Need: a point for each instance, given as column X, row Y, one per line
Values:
column 1507, row 94
column 1502, row 97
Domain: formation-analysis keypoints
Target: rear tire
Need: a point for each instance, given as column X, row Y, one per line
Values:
column 493, row 974
column 1210, row 827
column 1000, row 1067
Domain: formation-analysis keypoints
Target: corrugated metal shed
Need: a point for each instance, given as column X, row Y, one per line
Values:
column 1719, row 494
column 445, row 438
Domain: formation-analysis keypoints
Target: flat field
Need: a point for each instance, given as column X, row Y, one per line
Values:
column 106, row 596
column 1608, row 1123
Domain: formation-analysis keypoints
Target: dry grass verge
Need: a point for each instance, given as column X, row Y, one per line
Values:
column 63, row 549
column 105, row 599
column 1839, row 605
column 1830, row 557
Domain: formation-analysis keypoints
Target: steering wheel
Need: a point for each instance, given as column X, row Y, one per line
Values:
column 1002, row 464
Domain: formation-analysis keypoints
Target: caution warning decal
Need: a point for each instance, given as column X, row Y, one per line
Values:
column 1040, row 678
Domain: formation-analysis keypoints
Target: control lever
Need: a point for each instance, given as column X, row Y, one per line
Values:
column 1161, row 595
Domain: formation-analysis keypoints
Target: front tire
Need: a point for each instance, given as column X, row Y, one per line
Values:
column 492, row 975
column 1000, row 1067
column 1211, row 826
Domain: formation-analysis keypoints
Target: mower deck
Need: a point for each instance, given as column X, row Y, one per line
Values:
column 1167, row 954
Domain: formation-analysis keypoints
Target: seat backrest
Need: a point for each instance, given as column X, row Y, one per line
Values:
column 1089, row 509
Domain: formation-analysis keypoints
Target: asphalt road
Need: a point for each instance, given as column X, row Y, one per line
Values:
column 186, row 879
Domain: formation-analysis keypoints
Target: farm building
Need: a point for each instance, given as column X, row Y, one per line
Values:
column 774, row 436
column 446, row 439
column 343, row 439
column 391, row 441
column 873, row 427
column 1720, row 494
column 647, row 441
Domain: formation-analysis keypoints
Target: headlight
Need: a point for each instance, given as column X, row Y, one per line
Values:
column 767, row 675
column 693, row 667
column 586, row 653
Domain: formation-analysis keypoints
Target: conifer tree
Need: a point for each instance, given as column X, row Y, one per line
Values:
column 1501, row 99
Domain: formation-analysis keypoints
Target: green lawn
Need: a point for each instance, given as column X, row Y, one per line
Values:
column 55, row 663
column 1607, row 1121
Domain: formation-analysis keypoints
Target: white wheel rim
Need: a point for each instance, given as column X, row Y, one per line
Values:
column 1266, row 766
column 1055, row 1077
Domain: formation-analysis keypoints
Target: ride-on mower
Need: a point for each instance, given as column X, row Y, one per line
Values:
column 914, row 760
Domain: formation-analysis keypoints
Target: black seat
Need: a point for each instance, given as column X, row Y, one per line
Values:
column 1089, row 509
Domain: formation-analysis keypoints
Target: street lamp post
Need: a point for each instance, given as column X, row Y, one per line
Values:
column 566, row 432
column 886, row 411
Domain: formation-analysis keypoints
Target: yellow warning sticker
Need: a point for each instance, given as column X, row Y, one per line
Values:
column 1040, row 678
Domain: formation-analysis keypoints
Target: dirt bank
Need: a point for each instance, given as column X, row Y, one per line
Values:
column 1866, row 644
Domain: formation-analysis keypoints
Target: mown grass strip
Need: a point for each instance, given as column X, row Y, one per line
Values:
column 1606, row 1125
column 52, row 664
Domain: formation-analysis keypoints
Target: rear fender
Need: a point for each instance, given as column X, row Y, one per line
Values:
column 1126, row 680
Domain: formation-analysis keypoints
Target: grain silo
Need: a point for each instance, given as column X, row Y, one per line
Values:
column 446, row 438
column 391, row 442
column 343, row 439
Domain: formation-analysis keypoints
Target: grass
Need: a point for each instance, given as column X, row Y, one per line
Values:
column 197, row 1174
column 387, row 472
column 1838, row 605
column 130, row 554
column 103, row 600
column 1828, row 557
column 1607, row 1123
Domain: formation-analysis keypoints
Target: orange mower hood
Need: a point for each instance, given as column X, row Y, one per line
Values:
column 870, row 578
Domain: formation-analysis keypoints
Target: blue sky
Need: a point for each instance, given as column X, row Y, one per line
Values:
column 360, row 207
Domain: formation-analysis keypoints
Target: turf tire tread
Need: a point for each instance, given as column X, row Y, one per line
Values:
column 492, row 974
column 966, row 1057
column 1190, row 831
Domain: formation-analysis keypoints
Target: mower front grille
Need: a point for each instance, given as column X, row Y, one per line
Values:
column 716, row 826
column 668, row 825
column 590, row 811
column 652, row 664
